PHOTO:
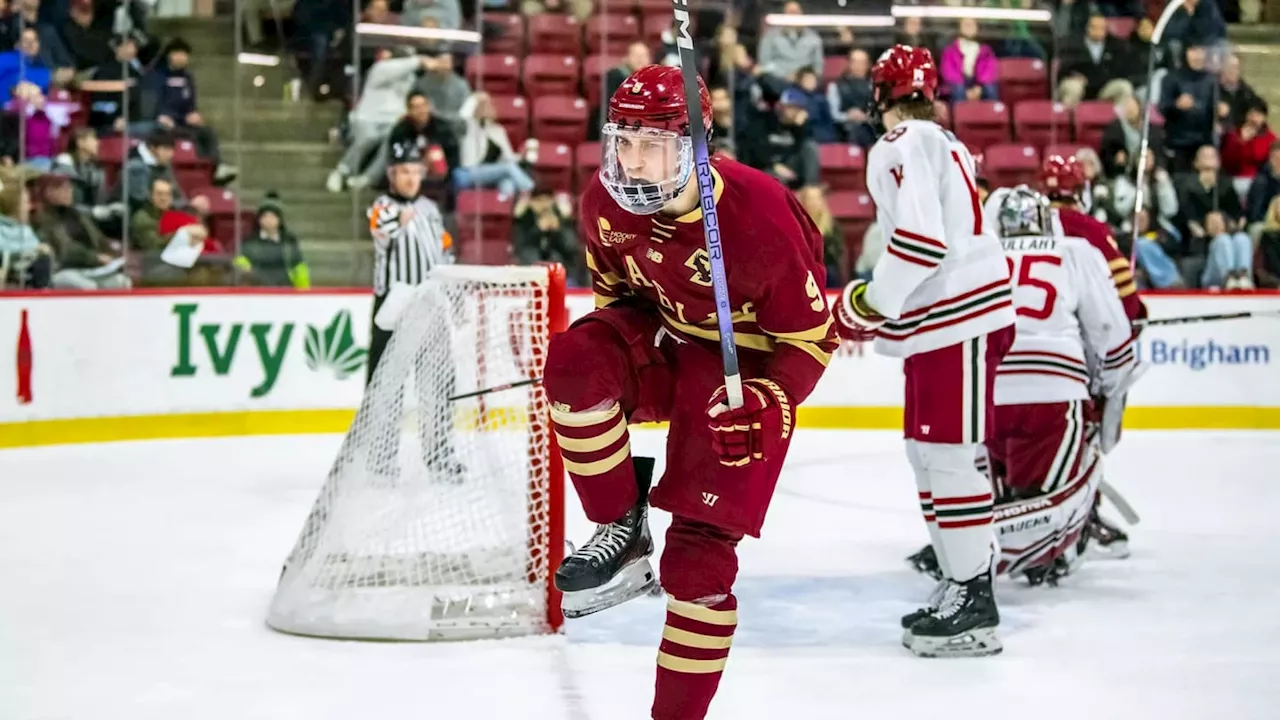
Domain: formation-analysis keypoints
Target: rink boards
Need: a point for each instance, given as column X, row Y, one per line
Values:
column 117, row 366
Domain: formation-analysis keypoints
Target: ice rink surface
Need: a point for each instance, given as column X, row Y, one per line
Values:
column 136, row 577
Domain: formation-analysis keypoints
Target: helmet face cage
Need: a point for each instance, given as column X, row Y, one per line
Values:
column 1024, row 212
column 664, row 158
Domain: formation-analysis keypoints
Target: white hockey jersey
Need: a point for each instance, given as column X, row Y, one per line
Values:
column 942, row 278
column 1071, row 325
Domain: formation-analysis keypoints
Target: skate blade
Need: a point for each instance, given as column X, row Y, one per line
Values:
column 1118, row 550
column 979, row 642
column 635, row 580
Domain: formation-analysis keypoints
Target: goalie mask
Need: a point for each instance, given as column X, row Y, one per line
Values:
column 1024, row 212
column 646, row 146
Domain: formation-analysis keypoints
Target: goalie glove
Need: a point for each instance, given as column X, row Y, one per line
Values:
column 855, row 320
column 753, row 431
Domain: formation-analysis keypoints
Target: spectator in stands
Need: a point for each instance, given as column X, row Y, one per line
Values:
column 8, row 34
column 543, row 232
column 1156, row 267
column 822, row 126
column 1089, row 66
column 486, row 158
column 1070, row 18
column 1246, row 149
column 1208, row 190
column 381, row 102
column 1229, row 264
column 1159, row 194
column 81, row 252
column 1095, row 196
column 784, row 50
column 23, row 64
column 1188, row 108
column 1136, row 64
column 782, row 146
column 849, row 96
column 1122, row 139
column 24, row 259
column 445, row 88
column 43, row 19
column 1198, row 23
column 1265, row 186
column 89, row 182
column 722, row 122
column 419, row 126
column 446, row 14
column 150, row 161
column 580, row 9
column 814, row 201
column 1018, row 41
column 42, row 126
column 1235, row 96
column 638, row 56
column 1267, row 271
column 108, row 82
column 177, row 107
column 911, row 32
column 969, row 68
column 317, row 24
column 150, row 234
column 270, row 256
column 87, row 37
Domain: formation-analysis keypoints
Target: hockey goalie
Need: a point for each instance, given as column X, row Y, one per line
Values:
column 1072, row 334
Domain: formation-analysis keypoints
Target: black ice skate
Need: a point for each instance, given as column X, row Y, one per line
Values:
column 1106, row 540
column 926, row 562
column 935, row 598
column 1049, row 573
column 964, row 625
column 613, row 567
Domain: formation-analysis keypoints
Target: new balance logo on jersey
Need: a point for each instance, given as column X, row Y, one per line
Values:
column 709, row 500
column 896, row 172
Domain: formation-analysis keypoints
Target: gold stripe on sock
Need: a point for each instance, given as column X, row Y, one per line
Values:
column 685, row 665
column 702, row 613
column 696, row 640
column 599, row 467
column 584, row 418
column 593, row 444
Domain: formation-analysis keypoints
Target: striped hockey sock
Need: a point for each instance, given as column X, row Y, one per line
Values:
column 695, row 646
column 931, row 521
column 964, row 529
column 596, row 447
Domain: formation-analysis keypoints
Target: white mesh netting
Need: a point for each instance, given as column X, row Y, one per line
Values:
column 434, row 521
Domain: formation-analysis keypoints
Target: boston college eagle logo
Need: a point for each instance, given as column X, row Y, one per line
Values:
column 896, row 172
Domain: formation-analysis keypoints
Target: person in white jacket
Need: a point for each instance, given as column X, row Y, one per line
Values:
column 486, row 157
column 380, row 106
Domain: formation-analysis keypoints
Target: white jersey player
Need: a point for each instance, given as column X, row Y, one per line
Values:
column 941, row 300
column 1072, row 333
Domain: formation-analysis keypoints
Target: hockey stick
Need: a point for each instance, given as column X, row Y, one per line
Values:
column 495, row 388
column 1156, row 35
column 707, row 200
column 1242, row 315
column 1122, row 506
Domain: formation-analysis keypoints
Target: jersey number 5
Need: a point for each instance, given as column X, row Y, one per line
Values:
column 1021, row 271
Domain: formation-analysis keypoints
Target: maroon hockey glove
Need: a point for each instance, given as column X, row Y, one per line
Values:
column 754, row 430
column 855, row 320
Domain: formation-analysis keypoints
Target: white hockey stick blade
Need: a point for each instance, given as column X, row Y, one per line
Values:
column 1122, row 506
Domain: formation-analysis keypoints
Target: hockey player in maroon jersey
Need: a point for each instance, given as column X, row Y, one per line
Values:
column 940, row 298
column 650, row 352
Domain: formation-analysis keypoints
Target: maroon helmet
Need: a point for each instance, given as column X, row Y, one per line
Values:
column 1062, row 178
column 646, row 145
column 904, row 72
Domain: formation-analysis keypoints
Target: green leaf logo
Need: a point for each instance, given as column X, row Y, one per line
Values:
column 334, row 348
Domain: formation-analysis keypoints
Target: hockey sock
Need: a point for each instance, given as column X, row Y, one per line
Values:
column 926, row 509
column 962, row 505
column 596, row 448
column 691, row 658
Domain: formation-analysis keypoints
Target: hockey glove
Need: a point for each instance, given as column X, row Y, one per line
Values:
column 753, row 431
column 855, row 320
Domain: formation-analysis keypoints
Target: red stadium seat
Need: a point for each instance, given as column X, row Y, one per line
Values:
column 513, row 112
column 1092, row 118
column 611, row 34
column 979, row 123
column 1041, row 122
column 555, row 34
column 594, row 68
column 844, row 166
column 482, row 216
column 495, row 74
column 653, row 24
column 832, row 66
column 505, row 35
column 855, row 212
column 189, row 169
column 1023, row 79
column 554, row 166
column 1009, row 164
column 586, row 161
column 223, row 217
column 551, row 75
column 560, row 118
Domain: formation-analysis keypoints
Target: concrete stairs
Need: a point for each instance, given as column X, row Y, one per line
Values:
column 1259, row 49
column 279, row 144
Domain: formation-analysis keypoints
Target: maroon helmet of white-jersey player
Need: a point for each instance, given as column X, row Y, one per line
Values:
column 646, row 146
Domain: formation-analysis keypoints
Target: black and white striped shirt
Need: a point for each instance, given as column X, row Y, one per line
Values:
column 406, row 252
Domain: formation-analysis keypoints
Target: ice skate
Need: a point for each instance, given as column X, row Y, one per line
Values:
column 1049, row 573
column 935, row 598
column 613, row 566
column 964, row 625
column 1107, row 540
column 926, row 562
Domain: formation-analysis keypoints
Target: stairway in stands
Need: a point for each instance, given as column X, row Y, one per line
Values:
column 279, row 144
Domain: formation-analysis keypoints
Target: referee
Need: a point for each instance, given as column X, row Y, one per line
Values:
column 408, row 237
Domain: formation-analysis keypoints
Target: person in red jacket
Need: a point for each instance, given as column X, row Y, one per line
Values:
column 1245, row 150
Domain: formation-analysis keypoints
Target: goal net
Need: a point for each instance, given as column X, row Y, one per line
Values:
column 442, row 519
